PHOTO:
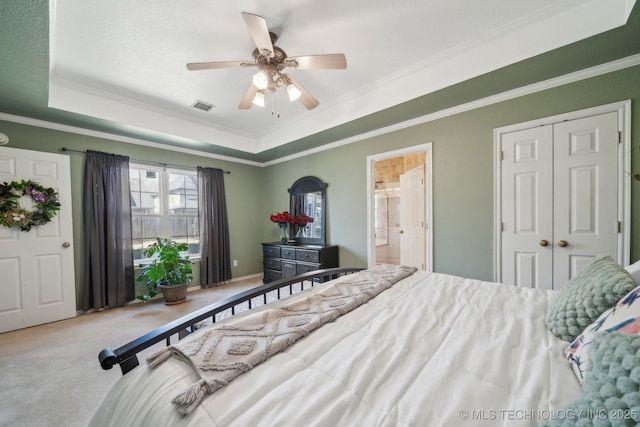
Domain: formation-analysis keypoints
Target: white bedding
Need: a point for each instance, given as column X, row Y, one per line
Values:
column 434, row 350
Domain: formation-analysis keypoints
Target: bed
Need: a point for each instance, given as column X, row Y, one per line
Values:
column 430, row 349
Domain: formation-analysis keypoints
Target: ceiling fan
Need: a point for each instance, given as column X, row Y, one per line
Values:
column 271, row 61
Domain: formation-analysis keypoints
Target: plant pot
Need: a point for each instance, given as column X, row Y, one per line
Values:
column 174, row 294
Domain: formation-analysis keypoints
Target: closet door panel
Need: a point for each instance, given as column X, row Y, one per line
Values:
column 527, row 205
column 585, row 193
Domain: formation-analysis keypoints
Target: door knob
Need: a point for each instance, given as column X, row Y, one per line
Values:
column 544, row 242
column 563, row 243
column 66, row 244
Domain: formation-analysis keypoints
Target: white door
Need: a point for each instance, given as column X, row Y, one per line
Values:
column 413, row 218
column 527, row 207
column 36, row 267
column 585, row 193
column 559, row 200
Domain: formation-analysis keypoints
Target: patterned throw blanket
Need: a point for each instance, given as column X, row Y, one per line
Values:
column 219, row 353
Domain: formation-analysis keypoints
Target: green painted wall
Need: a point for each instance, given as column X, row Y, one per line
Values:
column 244, row 195
column 462, row 172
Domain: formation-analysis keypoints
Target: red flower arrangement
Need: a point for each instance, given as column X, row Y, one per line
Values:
column 302, row 219
column 284, row 219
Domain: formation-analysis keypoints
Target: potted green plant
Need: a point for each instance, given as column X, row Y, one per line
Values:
column 170, row 271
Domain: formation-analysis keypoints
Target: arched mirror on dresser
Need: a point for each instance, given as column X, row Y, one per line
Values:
column 308, row 196
column 307, row 249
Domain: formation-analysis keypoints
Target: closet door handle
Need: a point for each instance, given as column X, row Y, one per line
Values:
column 563, row 243
column 544, row 242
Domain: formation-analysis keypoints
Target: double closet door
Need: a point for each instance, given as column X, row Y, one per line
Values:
column 559, row 199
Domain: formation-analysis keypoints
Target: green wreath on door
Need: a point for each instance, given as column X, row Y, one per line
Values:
column 45, row 203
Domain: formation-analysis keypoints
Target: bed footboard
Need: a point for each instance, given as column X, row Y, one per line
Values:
column 126, row 356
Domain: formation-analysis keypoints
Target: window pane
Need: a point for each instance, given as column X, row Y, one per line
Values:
column 194, row 247
column 136, row 228
column 148, row 218
column 192, row 203
column 178, row 227
column 193, row 231
column 150, row 181
column 191, row 182
column 137, row 249
column 134, row 179
column 151, row 226
column 183, row 204
column 176, row 182
column 135, row 201
column 147, row 198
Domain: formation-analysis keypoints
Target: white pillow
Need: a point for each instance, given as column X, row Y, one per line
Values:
column 634, row 271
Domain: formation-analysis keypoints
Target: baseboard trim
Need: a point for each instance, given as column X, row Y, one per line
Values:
column 236, row 279
column 190, row 289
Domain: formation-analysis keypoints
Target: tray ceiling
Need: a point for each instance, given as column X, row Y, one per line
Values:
column 124, row 62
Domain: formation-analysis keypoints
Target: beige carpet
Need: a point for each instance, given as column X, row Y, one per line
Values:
column 50, row 374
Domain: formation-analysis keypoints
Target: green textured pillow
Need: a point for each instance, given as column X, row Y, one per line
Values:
column 586, row 296
column 611, row 392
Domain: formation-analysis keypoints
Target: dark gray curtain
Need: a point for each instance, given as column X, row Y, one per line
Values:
column 109, row 276
column 215, row 255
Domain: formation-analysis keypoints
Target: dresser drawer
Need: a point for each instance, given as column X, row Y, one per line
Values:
column 271, row 275
column 288, row 253
column 289, row 269
column 273, row 263
column 271, row 251
column 281, row 260
column 305, row 268
column 307, row 255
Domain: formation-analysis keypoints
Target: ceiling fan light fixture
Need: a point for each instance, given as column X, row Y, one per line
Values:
column 270, row 61
column 294, row 92
column 261, row 80
column 258, row 99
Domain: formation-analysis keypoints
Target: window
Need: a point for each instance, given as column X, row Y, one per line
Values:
column 164, row 203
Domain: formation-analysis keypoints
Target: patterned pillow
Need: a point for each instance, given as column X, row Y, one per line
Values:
column 623, row 317
column 611, row 392
column 586, row 296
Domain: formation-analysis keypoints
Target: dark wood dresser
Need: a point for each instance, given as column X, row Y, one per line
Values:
column 285, row 260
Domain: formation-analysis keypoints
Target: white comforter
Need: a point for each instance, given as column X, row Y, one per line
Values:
column 434, row 350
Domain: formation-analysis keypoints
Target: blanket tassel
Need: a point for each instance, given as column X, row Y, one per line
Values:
column 187, row 401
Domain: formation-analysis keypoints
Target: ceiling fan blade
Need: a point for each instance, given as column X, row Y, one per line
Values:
column 194, row 66
column 259, row 32
column 247, row 99
column 332, row 61
column 305, row 98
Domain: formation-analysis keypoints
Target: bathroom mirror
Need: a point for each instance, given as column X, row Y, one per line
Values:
column 308, row 196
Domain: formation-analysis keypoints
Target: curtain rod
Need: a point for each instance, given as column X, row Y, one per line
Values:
column 143, row 161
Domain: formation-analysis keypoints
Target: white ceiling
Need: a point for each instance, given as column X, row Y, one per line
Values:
column 124, row 60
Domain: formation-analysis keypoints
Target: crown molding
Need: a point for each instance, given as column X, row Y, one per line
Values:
column 630, row 61
column 106, row 135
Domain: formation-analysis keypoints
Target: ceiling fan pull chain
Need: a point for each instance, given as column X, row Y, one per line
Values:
column 272, row 102
column 275, row 101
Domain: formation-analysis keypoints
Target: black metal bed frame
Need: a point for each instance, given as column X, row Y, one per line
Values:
column 126, row 356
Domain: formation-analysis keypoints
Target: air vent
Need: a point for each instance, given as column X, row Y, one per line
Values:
column 202, row 106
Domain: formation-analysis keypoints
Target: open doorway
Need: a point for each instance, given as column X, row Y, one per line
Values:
column 400, row 207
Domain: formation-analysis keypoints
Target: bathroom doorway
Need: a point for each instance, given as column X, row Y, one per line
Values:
column 400, row 207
